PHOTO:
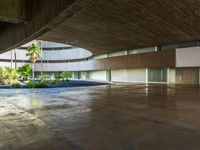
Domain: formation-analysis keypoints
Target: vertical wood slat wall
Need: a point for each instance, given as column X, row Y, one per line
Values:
column 144, row 60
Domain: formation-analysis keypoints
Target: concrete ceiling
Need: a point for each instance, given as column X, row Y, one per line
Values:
column 2, row 24
column 26, row 20
column 104, row 26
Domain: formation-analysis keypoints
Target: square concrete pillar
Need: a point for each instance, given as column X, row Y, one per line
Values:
column 146, row 75
column 168, row 75
column 199, row 75
column 108, row 75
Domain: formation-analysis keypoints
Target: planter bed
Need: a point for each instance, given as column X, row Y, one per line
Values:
column 71, row 83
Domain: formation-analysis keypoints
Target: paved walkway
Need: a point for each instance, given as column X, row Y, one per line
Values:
column 109, row 117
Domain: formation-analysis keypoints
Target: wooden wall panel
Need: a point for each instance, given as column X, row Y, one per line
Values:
column 145, row 60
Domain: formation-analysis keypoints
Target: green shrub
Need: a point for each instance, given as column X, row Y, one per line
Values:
column 41, row 85
column 65, row 75
column 8, row 75
column 58, row 77
column 30, row 84
column 55, row 81
column 44, row 79
column 36, row 84
column 25, row 71
column 16, row 85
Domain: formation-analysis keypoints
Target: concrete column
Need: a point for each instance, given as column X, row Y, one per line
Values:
column 128, row 52
column 11, row 59
column 87, row 75
column 79, row 75
column 158, row 48
column 15, row 55
column 146, row 75
column 168, row 75
column 199, row 75
column 108, row 75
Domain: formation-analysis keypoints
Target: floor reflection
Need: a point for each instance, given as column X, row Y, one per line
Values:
column 117, row 116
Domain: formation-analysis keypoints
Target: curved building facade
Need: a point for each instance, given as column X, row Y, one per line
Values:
column 163, row 64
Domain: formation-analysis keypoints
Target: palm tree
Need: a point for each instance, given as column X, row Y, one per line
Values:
column 33, row 53
column 8, row 75
column 41, row 43
column 24, row 71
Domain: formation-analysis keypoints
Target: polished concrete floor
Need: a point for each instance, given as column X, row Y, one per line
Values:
column 111, row 117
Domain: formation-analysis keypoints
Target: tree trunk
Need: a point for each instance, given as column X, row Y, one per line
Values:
column 41, row 62
column 15, row 59
column 33, row 72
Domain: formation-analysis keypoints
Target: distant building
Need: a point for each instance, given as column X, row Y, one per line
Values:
column 177, row 63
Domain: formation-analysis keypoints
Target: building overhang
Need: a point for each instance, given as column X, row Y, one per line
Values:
column 103, row 26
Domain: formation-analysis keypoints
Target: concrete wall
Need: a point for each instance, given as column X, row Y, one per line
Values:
column 129, row 75
column 199, row 75
column 188, row 57
column 98, row 75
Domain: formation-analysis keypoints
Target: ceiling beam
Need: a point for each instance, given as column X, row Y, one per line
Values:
column 43, row 15
column 13, row 11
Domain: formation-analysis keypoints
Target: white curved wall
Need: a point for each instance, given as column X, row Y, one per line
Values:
column 70, row 54
column 75, row 66
column 8, row 64
column 48, row 55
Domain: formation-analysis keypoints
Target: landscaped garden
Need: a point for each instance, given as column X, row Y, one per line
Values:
column 24, row 76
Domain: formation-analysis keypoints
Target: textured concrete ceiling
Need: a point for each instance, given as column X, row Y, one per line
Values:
column 101, row 26
column 1, row 24
column 106, row 26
